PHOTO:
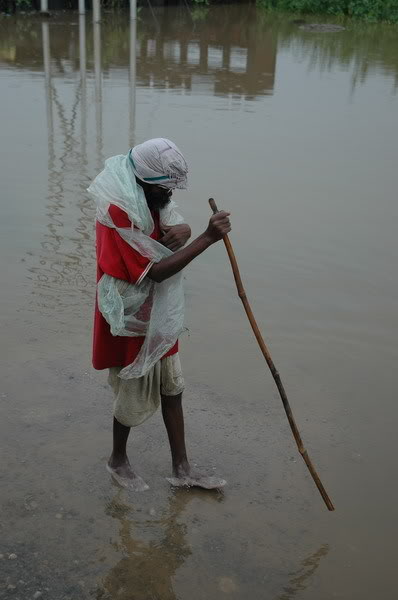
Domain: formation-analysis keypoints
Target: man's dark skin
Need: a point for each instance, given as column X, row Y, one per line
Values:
column 174, row 238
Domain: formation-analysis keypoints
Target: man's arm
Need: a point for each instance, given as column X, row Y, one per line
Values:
column 219, row 225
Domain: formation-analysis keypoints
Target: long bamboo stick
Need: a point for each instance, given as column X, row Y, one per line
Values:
column 270, row 362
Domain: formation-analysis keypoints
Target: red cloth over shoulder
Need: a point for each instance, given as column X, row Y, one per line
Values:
column 116, row 258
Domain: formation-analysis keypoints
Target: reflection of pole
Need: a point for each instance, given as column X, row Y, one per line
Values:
column 203, row 55
column 82, row 7
column 183, row 52
column 82, row 52
column 226, row 57
column 96, row 11
column 133, row 37
column 47, row 83
column 133, row 9
column 98, row 90
column 153, row 14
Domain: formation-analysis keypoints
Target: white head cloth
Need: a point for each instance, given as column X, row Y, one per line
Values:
column 160, row 162
column 153, row 310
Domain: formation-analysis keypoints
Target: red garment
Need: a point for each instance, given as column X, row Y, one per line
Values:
column 116, row 258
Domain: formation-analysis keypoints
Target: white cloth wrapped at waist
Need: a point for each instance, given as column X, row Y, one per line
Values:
column 138, row 399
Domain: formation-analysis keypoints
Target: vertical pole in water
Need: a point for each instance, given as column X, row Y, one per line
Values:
column 82, row 7
column 96, row 11
column 133, row 9
column 98, row 90
column 44, row 6
column 133, row 41
column 45, row 31
column 82, row 52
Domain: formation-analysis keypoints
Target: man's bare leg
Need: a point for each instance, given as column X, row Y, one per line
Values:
column 119, row 464
column 183, row 475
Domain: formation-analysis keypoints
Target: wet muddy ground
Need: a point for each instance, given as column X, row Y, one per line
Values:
column 296, row 133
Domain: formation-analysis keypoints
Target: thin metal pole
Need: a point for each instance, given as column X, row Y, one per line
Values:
column 47, row 84
column 96, row 11
column 82, row 49
column 98, row 90
column 83, row 82
column 49, row 103
column 82, row 7
column 133, row 9
column 133, row 41
column 153, row 14
column 44, row 6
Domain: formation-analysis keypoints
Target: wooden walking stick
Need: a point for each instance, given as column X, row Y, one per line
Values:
column 275, row 374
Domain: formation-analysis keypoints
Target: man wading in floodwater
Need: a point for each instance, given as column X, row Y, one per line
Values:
column 139, row 312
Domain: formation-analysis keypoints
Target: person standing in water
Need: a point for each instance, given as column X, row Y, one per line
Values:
column 141, row 250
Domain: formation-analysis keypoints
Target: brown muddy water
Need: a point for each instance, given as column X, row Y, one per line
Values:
column 294, row 132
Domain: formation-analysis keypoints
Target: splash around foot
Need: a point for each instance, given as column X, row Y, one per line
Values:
column 128, row 479
column 205, row 482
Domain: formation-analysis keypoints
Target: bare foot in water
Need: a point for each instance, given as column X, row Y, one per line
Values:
column 122, row 472
column 184, row 476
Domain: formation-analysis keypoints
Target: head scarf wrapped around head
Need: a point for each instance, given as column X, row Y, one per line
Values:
column 159, row 162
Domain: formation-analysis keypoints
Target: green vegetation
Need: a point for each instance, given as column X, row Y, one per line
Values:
column 369, row 10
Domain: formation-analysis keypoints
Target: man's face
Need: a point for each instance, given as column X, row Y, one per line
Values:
column 156, row 196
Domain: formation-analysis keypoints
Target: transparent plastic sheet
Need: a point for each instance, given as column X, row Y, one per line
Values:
column 153, row 310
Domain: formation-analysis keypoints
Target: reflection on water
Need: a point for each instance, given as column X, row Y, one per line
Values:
column 298, row 581
column 60, row 270
column 227, row 52
column 166, row 54
column 230, row 50
column 155, row 546
column 222, row 55
column 357, row 49
column 148, row 565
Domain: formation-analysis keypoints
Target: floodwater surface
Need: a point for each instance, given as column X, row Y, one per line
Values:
column 296, row 134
